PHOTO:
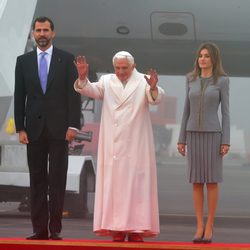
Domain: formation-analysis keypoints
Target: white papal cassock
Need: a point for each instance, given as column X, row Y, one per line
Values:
column 126, row 197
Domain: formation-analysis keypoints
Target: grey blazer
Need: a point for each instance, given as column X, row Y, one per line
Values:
column 201, row 108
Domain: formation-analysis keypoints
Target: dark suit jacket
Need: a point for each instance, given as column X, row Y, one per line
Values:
column 59, row 108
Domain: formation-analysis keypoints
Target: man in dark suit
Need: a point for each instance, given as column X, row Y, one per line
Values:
column 47, row 116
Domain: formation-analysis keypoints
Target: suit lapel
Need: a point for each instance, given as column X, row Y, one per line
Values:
column 34, row 68
column 54, row 59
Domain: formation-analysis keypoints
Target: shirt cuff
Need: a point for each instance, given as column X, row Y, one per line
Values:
column 76, row 129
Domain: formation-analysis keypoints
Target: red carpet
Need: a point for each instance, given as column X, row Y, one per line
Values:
column 22, row 244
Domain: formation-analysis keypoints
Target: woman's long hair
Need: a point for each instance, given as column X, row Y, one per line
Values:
column 215, row 56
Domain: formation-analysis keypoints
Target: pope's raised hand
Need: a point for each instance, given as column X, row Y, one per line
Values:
column 152, row 79
column 82, row 67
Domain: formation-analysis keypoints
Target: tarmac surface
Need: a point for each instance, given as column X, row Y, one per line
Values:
column 177, row 221
column 173, row 228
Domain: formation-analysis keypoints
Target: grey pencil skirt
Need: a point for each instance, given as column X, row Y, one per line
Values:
column 204, row 159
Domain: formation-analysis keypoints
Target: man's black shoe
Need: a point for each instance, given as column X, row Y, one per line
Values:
column 38, row 236
column 55, row 236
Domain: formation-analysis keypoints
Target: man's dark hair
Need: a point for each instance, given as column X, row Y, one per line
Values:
column 43, row 19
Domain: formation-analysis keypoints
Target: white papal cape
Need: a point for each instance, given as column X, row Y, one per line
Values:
column 126, row 197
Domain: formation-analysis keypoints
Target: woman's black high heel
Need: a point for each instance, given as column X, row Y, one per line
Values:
column 208, row 240
column 197, row 240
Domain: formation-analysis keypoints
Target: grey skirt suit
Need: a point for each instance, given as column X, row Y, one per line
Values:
column 202, row 130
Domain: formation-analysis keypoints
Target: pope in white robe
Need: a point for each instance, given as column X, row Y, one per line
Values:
column 126, row 197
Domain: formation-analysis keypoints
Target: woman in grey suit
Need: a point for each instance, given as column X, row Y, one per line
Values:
column 207, row 139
